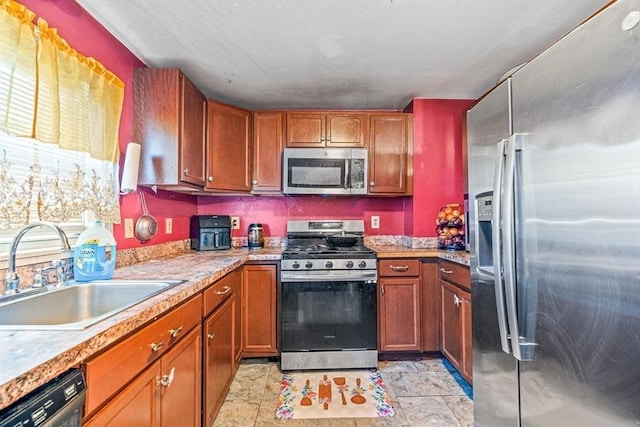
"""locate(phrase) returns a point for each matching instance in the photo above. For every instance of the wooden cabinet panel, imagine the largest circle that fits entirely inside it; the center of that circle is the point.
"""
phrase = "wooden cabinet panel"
(147, 402)
(218, 363)
(399, 267)
(390, 154)
(228, 148)
(455, 273)
(400, 314)
(267, 153)
(456, 334)
(111, 370)
(346, 130)
(326, 129)
(180, 399)
(259, 322)
(236, 288)
(169, 123)
(430, 323)
(218, 293)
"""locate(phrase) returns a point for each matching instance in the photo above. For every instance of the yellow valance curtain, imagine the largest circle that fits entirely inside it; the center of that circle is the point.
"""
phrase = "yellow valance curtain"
(54, 95)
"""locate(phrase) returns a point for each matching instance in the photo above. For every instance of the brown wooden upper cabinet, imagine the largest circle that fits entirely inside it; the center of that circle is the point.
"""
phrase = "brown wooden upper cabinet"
(326, 129)
(391, 154)
(169, 123)
(228, 148)
(267, 153)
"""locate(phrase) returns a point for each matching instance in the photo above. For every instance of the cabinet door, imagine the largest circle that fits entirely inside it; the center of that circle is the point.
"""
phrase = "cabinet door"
(390, 150)
(267, 153)
(305, 130)
(181, 382)
(430, 306)
(399, 299)
(137, 405)
(218, 358)
(451, 307)
(259, 325)
(235, 282)
(467, 337)
(346, 130)
(192, 133)
(228, 148)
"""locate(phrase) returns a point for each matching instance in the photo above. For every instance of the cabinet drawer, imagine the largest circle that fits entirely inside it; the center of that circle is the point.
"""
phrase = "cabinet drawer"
(220, 291)
(114, 368)
(456, 273)
(399, 267)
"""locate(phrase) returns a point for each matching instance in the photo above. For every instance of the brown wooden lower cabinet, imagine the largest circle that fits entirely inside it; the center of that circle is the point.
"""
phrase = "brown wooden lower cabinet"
(259, 310)
(218, 361)
(455, 300)
(430, 321)
(166, 394)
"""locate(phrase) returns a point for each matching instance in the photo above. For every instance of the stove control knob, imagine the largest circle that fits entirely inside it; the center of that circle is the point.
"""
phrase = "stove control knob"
(308, 264)
(349, 264)
(362, 264)
(295, 264)
(329, 264)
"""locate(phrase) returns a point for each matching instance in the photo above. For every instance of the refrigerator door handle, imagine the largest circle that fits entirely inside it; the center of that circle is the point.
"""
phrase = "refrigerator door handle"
(496, 244)
(514, 144)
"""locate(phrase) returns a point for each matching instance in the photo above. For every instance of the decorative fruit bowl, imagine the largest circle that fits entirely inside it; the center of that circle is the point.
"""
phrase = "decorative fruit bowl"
(450, 227)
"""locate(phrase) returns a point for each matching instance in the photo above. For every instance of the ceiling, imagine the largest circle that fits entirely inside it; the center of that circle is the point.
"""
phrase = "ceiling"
(339, 54)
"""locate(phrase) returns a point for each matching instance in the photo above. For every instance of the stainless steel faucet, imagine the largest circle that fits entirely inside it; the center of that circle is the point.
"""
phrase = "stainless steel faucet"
(11, 278)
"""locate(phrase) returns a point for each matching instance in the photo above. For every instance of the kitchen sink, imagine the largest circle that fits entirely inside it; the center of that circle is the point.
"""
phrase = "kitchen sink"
(78, 305)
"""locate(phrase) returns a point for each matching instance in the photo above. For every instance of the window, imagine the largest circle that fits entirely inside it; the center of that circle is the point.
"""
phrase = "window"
(59, 120)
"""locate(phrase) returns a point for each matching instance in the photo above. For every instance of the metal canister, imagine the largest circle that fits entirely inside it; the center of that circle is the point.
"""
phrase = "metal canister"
(255, 236)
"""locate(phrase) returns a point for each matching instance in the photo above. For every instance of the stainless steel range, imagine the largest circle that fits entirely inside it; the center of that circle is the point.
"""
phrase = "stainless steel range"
(328, 307)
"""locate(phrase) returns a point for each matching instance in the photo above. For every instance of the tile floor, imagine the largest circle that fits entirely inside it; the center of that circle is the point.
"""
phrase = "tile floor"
(422, 391)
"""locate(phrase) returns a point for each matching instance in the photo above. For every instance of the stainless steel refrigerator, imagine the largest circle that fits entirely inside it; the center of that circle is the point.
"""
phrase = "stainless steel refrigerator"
(554, 207)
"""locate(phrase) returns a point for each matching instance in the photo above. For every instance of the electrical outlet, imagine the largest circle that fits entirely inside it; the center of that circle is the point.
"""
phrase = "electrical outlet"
(128, 228)
(168, 225)
(235, 222)
(375, 221)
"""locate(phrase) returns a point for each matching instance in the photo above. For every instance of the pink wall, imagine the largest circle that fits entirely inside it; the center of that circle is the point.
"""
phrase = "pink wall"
(437, 157)
(437, 165)
(88, 37)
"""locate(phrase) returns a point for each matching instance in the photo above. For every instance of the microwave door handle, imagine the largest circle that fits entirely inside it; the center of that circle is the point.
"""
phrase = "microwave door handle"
(347, 168)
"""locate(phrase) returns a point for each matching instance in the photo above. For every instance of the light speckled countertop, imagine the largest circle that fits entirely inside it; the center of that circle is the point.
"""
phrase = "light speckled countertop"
(29, 359)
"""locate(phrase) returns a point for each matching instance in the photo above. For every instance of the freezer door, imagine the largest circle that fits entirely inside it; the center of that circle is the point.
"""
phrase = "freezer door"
(495, 382)
(578, 227)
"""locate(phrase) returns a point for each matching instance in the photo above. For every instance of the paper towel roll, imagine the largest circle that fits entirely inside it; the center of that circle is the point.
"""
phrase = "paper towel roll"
(129, 181)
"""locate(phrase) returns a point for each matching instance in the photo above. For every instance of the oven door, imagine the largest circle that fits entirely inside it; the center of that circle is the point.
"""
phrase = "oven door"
(328, 316)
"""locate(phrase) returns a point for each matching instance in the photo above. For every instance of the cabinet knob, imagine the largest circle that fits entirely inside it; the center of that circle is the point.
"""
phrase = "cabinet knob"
(254, 182)
(372, 184)
(210, 179)
(156, 347)
(166, 380)
(185, 171)
(175, 332)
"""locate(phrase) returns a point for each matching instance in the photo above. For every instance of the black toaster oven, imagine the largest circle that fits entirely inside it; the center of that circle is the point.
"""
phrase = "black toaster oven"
(210, 232)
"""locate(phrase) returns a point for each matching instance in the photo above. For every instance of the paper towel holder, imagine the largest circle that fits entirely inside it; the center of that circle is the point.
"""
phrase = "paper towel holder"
(129, 182)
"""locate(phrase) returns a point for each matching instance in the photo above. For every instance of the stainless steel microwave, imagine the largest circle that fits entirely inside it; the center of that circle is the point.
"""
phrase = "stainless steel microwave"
(341, 171)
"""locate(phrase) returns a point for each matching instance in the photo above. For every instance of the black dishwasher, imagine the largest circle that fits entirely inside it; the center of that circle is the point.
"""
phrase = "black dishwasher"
(56, 404)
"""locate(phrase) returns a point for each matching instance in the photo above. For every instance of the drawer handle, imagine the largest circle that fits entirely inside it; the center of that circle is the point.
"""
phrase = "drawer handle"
(399, 268)
(224, 291)
(156, 347)
(166, 380)
(445, 271)
(211, 336)
(175, 332)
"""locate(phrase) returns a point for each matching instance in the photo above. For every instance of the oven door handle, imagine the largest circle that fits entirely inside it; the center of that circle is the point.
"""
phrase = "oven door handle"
(329, 276)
